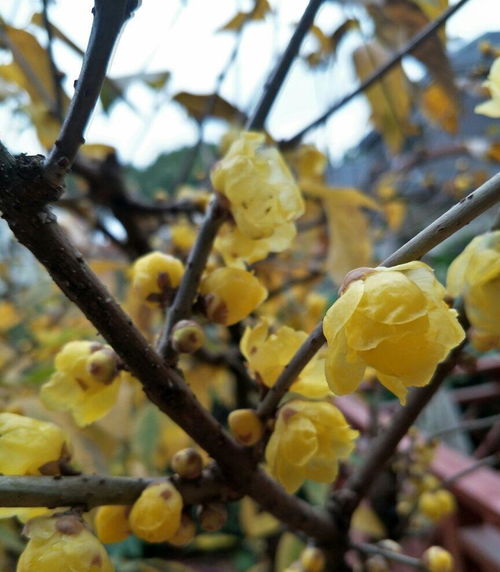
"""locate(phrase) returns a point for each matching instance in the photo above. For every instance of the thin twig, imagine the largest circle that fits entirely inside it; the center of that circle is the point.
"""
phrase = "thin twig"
(275, 81)
(469, 425)
(384, 446)
(485, 461)
(455, 218)
(109, 17)
(389, 554)
(378, 74)
(56, 75)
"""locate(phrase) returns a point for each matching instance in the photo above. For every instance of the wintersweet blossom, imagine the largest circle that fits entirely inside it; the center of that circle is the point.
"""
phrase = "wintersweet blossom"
(264, 199)
(231, 294)
(85, 381)
(491, 108)
(394, 320)
(29, 446)
(154, 276)
(475, 275)
(62, 543)
(309, 439)
(268, 352)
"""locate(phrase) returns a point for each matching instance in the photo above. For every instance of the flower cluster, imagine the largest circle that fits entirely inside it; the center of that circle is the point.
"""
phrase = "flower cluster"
(394, 320)
(309, 439)
(85, 382)
(491, 108)
(475, 275)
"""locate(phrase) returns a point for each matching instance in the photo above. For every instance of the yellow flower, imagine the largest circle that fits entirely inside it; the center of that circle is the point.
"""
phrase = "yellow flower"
(475, 274)
(309, 439)
(437, 559)
(30, 447)
(491, 108)
(237, 249)
(85, 382)
(62, 543)
(156, 514)
(393, 320)
(269, 352)
(154, 276)
(262, 193)
(231, 294)
(111, 523)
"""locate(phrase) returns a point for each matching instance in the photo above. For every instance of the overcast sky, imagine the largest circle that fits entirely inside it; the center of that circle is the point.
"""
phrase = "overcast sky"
(179, 36)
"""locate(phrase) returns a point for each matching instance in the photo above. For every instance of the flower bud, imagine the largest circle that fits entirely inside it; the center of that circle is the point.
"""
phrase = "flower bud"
(62, 543)
(389, 544)
(156, 515)
(246, 426)
(435, 505)
(212, 516)
(187, 463)
(185, 533)
(312, 559)
(187, 337)
(377, 563)
(103, 365)
(437, 559)
(111, 523)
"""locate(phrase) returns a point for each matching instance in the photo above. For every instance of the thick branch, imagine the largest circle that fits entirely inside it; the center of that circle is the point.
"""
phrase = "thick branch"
(109, 17)
(378, 74)
(454, 219)
(97, 490)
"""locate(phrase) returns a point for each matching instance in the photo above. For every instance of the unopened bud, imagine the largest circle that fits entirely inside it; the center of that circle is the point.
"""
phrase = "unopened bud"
(187, 463)
(185, 533)
(111, 523)
(437, 559)
(312, 559)
(212, 516)
(246, 426)
(187, 337)
(389, 544)
(376, 563)
(103, 365)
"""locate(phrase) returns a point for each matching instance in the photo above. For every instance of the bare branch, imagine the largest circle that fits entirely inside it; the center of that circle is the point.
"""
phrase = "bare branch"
(56, 75)
(109, 17)
(378, 74)
(275, 81)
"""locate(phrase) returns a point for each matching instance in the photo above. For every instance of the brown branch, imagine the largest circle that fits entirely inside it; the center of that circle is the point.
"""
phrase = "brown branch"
(455, 218)
(96, 490)
(56, 75)
(22, 198)
(389, 554)
(109, 17)
(378, 74)
(273, 85)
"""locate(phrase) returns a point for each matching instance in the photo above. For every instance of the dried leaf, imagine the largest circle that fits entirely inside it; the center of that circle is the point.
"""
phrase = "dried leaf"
(389, 98)
(238, 21)
(212, 105)
(440, 108)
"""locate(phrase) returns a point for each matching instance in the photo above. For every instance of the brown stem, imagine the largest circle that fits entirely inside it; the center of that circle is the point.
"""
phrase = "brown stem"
(109, 17)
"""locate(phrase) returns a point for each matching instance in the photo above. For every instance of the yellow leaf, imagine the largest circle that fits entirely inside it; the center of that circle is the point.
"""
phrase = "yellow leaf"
(256, 523)
(493, 152)
(9, 316)
(211, 105)
(258, 12)
(440, 108)
(364, 520)
(389, 98)
(350, 242)
(97, 151)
